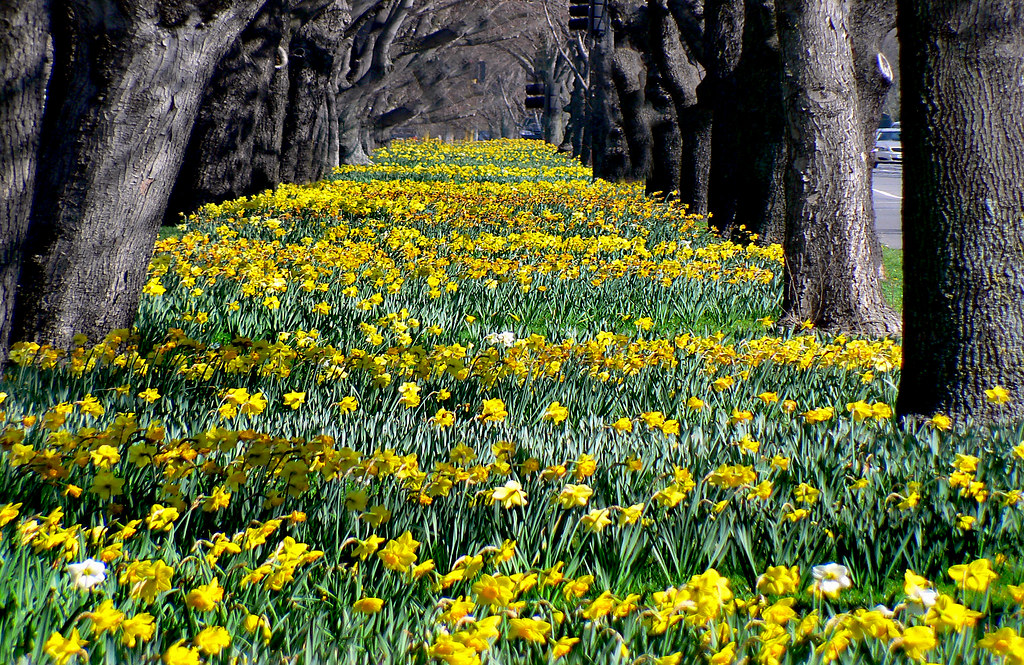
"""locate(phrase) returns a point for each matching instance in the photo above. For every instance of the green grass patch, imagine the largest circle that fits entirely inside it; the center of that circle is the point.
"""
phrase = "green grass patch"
(166, 232)
(892, 285)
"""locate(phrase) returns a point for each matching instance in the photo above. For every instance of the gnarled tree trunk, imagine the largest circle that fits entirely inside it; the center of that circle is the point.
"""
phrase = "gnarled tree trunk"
(314, 64)
(629, 78)
(126, 86)
(621, 116)
(610, 151)
(666, 140)
(962, 64)
(832, 279)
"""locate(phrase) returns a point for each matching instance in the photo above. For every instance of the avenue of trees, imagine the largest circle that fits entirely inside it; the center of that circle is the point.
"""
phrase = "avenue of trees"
(118, 115)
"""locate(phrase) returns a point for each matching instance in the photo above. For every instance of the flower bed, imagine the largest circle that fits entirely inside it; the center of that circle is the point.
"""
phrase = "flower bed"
(466, 405)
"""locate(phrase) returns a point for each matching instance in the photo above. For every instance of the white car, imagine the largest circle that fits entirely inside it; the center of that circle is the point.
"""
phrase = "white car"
(888, 148)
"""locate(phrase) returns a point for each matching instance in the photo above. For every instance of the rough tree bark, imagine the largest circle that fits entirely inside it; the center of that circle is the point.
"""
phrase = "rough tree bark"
(962, 64)
(629, 79)
(24, 72)
(831, 278)
(237, 117)
(744, 88)
(268, 132)
(674, 31)
(314, 72)
(608, 145)
(620, 116)
(666, 139)
(575, 127)
(126, 86)
(557, 79)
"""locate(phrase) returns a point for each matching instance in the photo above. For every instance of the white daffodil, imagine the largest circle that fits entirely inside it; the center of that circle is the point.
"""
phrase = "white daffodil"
(87, 574)
(506, 339)
(830, 579)
(884, 611)
(920, 601)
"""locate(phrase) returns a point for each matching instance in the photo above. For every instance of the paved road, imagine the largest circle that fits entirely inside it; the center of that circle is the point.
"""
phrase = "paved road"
(888, 186)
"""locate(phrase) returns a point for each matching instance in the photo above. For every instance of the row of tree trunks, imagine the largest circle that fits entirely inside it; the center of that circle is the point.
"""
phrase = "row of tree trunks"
(24, 71)
(308, 86)
(265, 115)
(125, 89)
(646, 124)
(962, 67)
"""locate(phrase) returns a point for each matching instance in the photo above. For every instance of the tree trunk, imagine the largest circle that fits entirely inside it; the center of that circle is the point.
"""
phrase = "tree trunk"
(350, 135)
(268, 133)
(314, 63)
(695, 129)
(831, 279)
(962, 64)
(126, 86)
(24, 72)
(629, 78)
(362, 76)
(333, 136)
(219, 161)
(557, 77)
(577, 119)
(719, 91)
(680, 74)
(610, 153)
(509, 130)
(667, 142)
(744, 88)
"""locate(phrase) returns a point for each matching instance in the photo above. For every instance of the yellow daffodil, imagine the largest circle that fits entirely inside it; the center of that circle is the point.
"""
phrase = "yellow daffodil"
(62, 649)
(368, 605)
(974, 576)
(509, 495)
